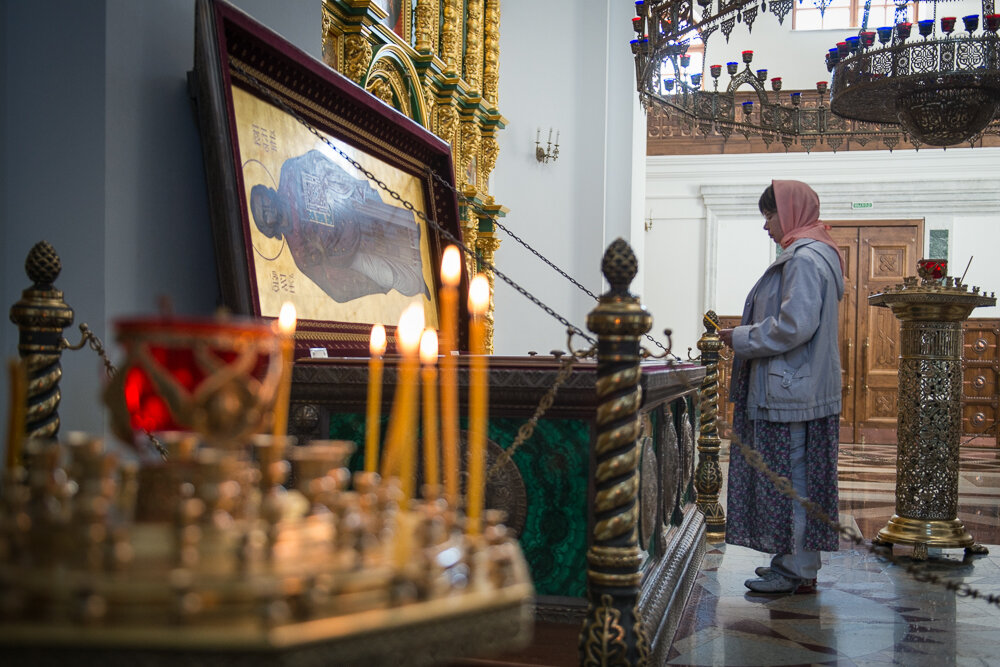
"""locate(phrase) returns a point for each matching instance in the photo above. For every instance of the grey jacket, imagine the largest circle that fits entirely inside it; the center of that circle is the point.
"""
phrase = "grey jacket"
(789, 336)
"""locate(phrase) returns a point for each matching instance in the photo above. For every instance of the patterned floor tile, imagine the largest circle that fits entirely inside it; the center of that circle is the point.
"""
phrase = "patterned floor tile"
(868, 610)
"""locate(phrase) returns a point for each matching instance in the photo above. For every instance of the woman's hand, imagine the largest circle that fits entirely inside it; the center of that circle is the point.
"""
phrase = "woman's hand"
(726, 335)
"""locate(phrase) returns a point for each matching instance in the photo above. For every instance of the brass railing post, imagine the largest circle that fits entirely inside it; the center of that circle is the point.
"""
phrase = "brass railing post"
(40, 316)
(708, 477)
(612, 632)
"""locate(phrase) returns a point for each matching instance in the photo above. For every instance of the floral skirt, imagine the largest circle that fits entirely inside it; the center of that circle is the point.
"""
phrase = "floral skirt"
(757, 514)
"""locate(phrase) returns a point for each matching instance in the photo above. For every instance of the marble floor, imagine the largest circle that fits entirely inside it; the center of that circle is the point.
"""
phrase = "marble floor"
(867, 610)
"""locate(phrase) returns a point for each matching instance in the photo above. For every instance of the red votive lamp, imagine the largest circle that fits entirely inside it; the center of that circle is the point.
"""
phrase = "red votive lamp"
(932, 269)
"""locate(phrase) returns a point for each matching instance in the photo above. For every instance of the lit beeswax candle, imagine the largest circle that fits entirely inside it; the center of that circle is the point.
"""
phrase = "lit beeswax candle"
(376, 346)
(286, 327)
(451, 273)
(429, 357)
(479, 296)
(400, 445)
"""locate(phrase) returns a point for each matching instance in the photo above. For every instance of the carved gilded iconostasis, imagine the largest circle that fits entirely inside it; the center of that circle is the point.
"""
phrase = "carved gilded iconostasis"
(437, 62)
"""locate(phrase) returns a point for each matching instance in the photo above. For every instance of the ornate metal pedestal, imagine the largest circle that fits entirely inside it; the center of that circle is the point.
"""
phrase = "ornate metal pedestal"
(613, 632)
(41, 315)
(930, 381)
(708, 479)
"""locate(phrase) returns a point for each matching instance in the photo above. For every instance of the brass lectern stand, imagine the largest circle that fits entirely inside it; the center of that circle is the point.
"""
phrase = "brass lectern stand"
(930, 382)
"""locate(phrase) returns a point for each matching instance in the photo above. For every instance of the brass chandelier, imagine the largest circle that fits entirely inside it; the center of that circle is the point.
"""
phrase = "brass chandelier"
(939, 88)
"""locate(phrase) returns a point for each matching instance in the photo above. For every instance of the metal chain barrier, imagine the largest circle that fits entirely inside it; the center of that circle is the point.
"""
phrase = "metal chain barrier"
(94, 343)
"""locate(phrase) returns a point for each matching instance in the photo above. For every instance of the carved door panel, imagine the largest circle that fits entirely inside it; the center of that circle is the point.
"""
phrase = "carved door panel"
(847, 241)
(886, 255)
(981, 377)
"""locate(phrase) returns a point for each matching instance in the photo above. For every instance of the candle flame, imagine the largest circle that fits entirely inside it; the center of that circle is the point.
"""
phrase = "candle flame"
(429, 346)
(411, 323)
(377, 342)
(286, 318)
(451, 266)
(479, 295)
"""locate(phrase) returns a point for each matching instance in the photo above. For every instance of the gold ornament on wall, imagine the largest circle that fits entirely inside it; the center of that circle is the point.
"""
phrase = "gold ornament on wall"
(438, 65)
(357, 57)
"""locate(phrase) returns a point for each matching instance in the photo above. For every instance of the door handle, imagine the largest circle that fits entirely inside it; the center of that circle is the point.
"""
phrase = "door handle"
(864, 362)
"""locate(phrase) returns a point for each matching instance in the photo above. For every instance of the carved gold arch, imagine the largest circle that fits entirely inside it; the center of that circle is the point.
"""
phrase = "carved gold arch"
(436, 61)
(393, 79)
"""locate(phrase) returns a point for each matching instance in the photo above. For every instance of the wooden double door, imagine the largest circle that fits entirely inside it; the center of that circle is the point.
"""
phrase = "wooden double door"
(877, 255)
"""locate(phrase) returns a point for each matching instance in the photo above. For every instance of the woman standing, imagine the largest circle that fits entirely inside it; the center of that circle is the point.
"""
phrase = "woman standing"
(786, 390)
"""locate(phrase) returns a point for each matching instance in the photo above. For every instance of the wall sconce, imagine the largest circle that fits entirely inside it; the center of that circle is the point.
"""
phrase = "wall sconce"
(648, 222)
(550, 152)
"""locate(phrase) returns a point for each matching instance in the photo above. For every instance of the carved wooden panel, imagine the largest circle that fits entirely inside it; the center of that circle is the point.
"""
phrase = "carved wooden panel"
(847, 242)
(886, 255)
(981, 380)
(669, 136)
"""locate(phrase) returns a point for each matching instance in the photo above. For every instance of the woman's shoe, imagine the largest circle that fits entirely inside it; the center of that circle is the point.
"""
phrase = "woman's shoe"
(776, 584)
(806, 586)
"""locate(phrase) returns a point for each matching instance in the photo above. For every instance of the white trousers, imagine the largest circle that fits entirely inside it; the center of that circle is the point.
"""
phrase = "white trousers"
(800, 564)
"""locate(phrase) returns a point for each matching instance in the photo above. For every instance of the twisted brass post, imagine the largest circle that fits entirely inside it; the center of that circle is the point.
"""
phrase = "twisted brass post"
(708, 477)
(41, 315)
(612, 632)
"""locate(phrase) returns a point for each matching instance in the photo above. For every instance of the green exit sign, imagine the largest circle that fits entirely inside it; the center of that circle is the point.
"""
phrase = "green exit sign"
(856, 205)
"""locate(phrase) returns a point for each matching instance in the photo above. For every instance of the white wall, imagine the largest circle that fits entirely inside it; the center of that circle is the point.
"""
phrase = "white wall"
(708, 244)
(580, 80)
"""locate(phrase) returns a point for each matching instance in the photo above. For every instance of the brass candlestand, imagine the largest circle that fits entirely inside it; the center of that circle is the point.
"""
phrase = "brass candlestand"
(708, 478)
(40, 316)
(612, 632)
(930, 384)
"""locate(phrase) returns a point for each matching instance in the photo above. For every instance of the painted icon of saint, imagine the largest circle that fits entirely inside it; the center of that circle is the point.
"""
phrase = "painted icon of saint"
(339, 231)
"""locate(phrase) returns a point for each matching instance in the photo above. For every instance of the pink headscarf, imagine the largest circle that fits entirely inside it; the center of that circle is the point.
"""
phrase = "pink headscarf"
(798, 214)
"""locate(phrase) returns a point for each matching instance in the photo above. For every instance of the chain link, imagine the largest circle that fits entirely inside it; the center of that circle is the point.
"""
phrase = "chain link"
(528, 428)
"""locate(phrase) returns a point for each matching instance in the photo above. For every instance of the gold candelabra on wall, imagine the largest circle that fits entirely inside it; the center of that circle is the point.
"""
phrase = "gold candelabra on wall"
(551, 151)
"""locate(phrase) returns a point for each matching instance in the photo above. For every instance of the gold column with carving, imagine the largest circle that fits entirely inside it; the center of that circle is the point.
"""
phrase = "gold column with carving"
(442, 72)
(451, 36)
(491, 52)
(708, 477)
(473, 61)
(929, 400)
(612, 632)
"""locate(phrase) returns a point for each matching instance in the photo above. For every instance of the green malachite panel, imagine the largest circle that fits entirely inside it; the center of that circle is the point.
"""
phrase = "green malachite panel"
(351, 426)
(938, 245)
(554, 465)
